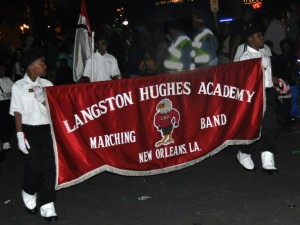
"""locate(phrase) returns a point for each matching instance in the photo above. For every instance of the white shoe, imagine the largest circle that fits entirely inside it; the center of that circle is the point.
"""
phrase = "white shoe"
(267, 159)
(48, 210)
(245, 160)
(29, 200)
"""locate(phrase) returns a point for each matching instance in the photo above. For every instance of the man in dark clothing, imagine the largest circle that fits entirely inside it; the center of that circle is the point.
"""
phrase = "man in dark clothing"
(64, 74)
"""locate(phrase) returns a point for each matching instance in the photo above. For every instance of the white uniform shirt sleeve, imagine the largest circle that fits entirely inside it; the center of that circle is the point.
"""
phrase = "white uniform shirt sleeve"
(16, 104)
(114, 67)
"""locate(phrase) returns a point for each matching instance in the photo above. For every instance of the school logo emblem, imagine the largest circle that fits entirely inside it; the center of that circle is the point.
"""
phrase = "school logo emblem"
(165, 120)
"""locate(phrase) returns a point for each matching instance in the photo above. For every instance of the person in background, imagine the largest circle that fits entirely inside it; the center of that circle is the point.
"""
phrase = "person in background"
(254, 48)
(65, 53)
(17, 72)
(51, 54)
(105, 65)
(205, 43)
(34, 136)
(224, 37)
(6, 121)
(179, 53)
(147, 65)
(293, 20)
(284, 67)
(276, 30)
(135, 53)
(158, 48)
(64, 74)
(295, 111)
(237, 30)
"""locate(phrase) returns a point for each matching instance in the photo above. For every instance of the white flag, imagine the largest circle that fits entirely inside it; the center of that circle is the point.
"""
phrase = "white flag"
(82, 44)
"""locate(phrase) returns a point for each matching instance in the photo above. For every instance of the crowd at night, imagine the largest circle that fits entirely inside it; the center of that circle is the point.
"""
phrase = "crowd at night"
(128, 43)
(41, 44)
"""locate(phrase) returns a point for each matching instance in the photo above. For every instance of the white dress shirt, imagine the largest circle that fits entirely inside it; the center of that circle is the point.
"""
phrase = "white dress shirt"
(264, 54)
(241, 48)
(104, 66)
(24, 102)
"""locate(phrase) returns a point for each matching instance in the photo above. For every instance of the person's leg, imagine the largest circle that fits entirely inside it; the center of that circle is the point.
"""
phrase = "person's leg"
(47, 191)
(30, 184)
(269, 132)
(48, 174)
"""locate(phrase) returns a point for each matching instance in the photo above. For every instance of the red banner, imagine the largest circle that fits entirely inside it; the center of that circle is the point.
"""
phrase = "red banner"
(152, 125)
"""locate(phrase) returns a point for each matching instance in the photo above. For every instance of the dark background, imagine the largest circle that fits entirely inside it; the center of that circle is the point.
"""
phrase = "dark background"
(47, 17)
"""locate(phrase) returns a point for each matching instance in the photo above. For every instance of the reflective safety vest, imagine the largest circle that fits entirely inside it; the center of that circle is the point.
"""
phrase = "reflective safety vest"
(173, 61)
(201, 57)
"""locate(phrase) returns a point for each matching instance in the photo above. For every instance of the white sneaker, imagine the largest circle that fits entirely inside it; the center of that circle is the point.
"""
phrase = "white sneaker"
(48, 210)
(267, 159)
(29, 200)
(245, 160)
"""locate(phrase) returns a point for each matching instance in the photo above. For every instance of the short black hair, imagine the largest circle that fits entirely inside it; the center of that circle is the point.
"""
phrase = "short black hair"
(30, 56)
(252, 27)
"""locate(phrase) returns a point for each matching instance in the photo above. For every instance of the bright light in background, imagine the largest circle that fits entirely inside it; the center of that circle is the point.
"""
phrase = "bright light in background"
(226, 20)
(257, 5)
(120, 18)
(24, 27)
(251, 2)
(164, 2)
(121, 10)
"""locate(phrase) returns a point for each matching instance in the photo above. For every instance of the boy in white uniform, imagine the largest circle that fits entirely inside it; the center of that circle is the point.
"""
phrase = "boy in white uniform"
(34, 136)
(254, 48)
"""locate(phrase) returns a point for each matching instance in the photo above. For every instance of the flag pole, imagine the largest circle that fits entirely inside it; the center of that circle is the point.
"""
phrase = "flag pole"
(93, 34)
(82, 43)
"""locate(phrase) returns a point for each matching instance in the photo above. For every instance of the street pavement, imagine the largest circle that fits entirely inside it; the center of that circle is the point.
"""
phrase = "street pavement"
(216, 191)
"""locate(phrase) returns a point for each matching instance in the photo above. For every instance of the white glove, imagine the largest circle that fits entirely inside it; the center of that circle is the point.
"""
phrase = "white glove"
(22, 142)
(39, 94)
(283, 86)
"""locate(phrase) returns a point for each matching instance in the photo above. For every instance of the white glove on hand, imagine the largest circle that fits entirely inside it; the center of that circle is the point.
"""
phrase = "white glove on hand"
(22, 142)
(283, 86)
(39, 94)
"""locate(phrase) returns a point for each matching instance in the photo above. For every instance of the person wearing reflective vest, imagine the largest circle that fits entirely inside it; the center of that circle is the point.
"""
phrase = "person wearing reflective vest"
(205, 43)
(179, 53)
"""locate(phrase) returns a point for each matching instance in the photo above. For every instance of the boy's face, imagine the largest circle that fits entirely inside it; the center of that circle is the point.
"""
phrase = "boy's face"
(39, 67)
(256, 40)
